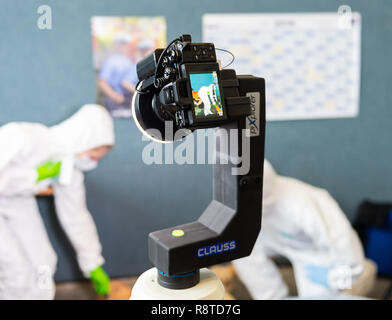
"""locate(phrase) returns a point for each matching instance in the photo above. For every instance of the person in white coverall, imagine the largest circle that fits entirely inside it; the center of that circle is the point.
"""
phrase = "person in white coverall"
(34, 157)
(304, 224)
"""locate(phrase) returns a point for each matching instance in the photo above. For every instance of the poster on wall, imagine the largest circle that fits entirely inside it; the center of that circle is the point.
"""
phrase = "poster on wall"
(118, 44)
(311, 61)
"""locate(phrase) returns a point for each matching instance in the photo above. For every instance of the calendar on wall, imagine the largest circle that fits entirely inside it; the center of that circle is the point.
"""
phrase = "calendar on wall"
(310, 61)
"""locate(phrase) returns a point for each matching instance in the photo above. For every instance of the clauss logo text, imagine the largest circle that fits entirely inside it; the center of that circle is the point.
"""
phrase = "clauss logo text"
(216, 248)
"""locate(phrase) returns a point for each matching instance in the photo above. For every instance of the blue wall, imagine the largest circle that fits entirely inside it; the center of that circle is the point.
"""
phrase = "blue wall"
(46, 75)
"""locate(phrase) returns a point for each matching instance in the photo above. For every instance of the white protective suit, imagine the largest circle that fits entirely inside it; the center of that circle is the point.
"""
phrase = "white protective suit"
(27, 260)
(304, 224)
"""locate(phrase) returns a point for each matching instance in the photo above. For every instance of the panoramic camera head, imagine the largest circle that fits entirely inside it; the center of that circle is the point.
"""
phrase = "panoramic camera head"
(181, 84)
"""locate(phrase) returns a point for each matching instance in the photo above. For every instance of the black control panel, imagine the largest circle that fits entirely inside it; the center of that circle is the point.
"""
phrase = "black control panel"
(203, 52)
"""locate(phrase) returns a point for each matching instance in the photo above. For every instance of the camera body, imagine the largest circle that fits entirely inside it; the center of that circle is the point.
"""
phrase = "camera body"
(183, 51)
(187, 86)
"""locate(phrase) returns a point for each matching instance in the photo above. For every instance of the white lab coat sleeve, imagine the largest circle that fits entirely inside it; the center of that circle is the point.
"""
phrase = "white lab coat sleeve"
(261, 276)
(330, 229)
(18, 181)
(11, 142)
(77, 222)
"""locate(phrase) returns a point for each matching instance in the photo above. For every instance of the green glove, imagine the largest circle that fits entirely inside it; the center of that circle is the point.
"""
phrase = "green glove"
(101, 281)
(49, 169)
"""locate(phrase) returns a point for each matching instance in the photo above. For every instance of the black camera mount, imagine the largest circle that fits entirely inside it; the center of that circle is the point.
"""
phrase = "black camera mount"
(171, 88)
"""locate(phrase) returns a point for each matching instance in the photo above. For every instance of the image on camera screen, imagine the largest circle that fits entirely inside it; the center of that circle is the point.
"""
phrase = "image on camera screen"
(206, 95)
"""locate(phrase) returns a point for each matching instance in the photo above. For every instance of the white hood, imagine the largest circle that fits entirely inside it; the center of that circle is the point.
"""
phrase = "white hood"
(269, 182)
(90, 127)
(25, 146)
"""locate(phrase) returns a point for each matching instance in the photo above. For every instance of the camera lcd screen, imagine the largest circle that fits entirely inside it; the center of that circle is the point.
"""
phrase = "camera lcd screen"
(206, 95)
